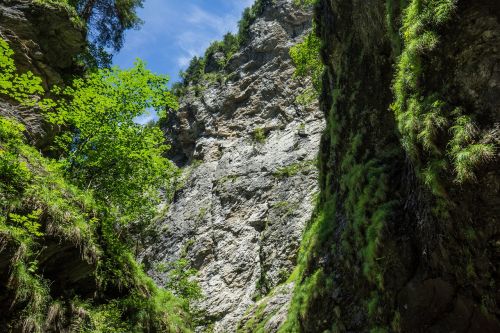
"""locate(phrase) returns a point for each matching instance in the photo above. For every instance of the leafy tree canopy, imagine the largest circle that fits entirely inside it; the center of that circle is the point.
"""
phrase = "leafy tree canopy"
(107, 20)
(120, 169)
(106, 150)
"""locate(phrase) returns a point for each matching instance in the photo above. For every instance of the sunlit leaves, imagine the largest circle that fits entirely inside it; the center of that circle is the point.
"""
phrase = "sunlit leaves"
(106, 150)
(22, 88)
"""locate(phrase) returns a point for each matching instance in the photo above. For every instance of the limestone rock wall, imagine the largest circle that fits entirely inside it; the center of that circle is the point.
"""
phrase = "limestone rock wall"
(249, 186)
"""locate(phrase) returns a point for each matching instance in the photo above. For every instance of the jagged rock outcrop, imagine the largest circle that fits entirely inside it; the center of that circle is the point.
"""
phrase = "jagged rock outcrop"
(45, 39)
(250, 183)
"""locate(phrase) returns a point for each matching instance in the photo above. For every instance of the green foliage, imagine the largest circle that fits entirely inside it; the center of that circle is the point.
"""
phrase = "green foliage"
(108, 20)
(107, 318)
(258, 321)
(94, 56)
(226, 48)
(306, 56)
(180, 279)
(304, 3)
(14, 174)
(69, 215)
(25, 231)
(249, 16)
(230, 44)
(29, 224)
(39, 203)
(285, 208)
(394, 10)
(307, 60)
(294, 169)
(465, 150)
(106, 150)
(195, 71)
(23, 88)
(424, 119)
(396, 322)
(259, 135)
(33, 291)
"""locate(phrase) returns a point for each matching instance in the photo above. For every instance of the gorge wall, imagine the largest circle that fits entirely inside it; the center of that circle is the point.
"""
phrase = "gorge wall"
(249, 184)
(406, 238)
(400, 233)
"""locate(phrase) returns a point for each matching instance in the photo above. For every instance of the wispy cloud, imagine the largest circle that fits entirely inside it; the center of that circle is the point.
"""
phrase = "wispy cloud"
(202, 18)
(175, 31)
(205, 26)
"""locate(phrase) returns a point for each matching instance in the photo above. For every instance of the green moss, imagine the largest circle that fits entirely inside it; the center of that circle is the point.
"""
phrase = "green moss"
(294, 169)
(378, 330)
(304, 3)
(360, 205)
(396, 322)
(67, 7)
(309, 286)
(285, 208)
(259, 135)
(426, 119)
(258, 321)
(228, 178)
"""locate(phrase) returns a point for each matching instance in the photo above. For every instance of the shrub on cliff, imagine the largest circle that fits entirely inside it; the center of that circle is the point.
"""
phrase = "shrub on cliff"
(78, 209)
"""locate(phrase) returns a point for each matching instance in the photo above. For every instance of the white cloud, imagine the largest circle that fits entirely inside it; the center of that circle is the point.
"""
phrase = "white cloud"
(203, 27)
(174, 32)
(203, 19)
(183, 61)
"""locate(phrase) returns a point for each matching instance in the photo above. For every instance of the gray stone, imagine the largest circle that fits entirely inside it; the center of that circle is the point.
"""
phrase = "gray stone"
(239, 217)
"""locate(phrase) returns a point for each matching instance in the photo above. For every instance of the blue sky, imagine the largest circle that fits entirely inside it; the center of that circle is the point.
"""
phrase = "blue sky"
(176, 30)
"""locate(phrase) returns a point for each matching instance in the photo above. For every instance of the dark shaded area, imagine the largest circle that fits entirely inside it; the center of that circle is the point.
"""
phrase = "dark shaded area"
(413, 270)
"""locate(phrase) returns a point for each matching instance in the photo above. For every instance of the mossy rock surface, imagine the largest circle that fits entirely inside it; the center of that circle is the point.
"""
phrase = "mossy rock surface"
(404, 231)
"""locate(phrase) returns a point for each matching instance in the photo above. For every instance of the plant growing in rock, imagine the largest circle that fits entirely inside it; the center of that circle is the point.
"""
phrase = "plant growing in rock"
(259, 135)
(294, 169)
(180, 279)
(229, 45)
(45, 200)
(308, 64)
(24, 88)
(425, 119)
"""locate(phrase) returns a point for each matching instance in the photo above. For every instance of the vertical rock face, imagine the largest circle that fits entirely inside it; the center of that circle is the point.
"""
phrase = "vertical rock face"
(249, 186)
(405, 244)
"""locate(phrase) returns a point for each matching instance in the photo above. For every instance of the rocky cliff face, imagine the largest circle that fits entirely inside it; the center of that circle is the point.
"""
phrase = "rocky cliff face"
(45, 39)
(249, 185)
(407, 235)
